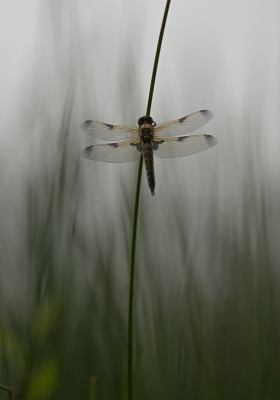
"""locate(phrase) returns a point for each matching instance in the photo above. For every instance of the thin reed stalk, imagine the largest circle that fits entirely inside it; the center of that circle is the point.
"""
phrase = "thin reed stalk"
(135, 218)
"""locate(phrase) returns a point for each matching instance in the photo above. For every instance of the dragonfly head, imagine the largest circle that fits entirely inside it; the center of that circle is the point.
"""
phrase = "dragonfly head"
(146, 120)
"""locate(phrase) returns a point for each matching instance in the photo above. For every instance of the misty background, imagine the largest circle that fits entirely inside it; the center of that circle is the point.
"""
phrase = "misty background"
(207, 259)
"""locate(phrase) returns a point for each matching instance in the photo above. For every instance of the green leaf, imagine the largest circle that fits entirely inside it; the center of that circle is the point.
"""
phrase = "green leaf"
(44, 380)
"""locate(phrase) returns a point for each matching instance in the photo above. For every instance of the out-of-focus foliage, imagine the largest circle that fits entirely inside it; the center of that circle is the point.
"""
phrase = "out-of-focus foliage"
(207, 298)
(44, 380)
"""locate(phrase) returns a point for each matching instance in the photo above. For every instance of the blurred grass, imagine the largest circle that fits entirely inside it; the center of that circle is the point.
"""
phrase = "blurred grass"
(207, 282)
(207, 324)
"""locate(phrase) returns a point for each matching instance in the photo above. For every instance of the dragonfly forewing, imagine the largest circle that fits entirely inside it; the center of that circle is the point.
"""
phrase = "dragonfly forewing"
(183, 125)
(105, 131)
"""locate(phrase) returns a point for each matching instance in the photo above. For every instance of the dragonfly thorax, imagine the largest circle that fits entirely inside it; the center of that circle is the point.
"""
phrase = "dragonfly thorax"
(146, 128)
(146, 132)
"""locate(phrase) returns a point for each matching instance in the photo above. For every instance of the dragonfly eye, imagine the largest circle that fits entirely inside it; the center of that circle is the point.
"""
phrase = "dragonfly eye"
(146, 120)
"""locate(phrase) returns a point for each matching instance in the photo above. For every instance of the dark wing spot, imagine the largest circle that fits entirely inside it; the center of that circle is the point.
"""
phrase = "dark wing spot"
(208, 137)
(113, 144)
(87, 150)
(137, 145)
(88, 121)
(156, 143)
(109, 126)
(204, 111)
(183, 119)
(182, 138)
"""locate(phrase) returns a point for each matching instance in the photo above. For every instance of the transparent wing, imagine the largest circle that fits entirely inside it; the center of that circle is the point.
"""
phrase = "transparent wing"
(183, 125)
(129, 150)
(104, 131)
(183, 145)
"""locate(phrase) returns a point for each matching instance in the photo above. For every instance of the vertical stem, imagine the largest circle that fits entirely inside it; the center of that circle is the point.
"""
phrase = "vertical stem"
(149, 105)
(92, 388)
(135, 218)
(131, 284)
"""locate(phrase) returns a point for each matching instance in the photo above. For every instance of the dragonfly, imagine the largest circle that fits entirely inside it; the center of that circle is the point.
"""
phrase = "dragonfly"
(147, 140)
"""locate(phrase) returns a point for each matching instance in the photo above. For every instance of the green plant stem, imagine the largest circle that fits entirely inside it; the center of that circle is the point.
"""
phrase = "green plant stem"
(149, 105)
(135, 218)
(92, 388)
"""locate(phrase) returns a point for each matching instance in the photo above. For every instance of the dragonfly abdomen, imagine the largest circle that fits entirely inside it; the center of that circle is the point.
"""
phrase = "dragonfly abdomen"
(148, 155)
